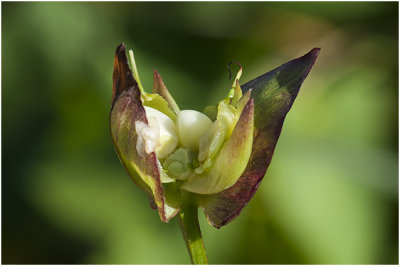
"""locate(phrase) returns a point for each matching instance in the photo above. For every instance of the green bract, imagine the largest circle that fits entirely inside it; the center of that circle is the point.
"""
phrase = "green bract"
(214, 160)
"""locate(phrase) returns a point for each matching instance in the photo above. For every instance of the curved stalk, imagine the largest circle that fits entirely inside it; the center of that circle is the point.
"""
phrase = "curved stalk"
(189, 224)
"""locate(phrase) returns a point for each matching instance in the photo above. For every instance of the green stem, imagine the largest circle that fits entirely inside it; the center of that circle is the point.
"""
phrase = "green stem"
(189, 224)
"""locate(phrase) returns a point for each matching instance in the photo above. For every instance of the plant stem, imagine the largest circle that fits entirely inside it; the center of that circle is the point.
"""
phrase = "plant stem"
(189, 224)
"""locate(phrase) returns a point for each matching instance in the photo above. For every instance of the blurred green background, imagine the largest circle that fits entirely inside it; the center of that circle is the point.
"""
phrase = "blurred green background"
(330, 195)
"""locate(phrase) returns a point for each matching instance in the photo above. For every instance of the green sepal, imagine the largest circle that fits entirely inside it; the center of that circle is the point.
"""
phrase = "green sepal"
(126, 109)
(159, 103)
(273, 94)
(160, 89)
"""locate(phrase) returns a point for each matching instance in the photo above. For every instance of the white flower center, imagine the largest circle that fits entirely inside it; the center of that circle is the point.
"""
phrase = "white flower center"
(159, 136)
(148, 136)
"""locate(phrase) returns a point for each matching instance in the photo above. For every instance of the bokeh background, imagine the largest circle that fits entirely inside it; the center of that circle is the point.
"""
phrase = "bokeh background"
(330, 195)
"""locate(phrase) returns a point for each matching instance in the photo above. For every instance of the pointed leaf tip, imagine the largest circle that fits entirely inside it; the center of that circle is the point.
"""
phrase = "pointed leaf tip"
(120, 48)
(313, 54)
(122, 75)
(160, 88)
(315, 51)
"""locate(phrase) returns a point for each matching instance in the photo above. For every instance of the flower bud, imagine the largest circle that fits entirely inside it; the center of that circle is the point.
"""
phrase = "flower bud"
(168, 152)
